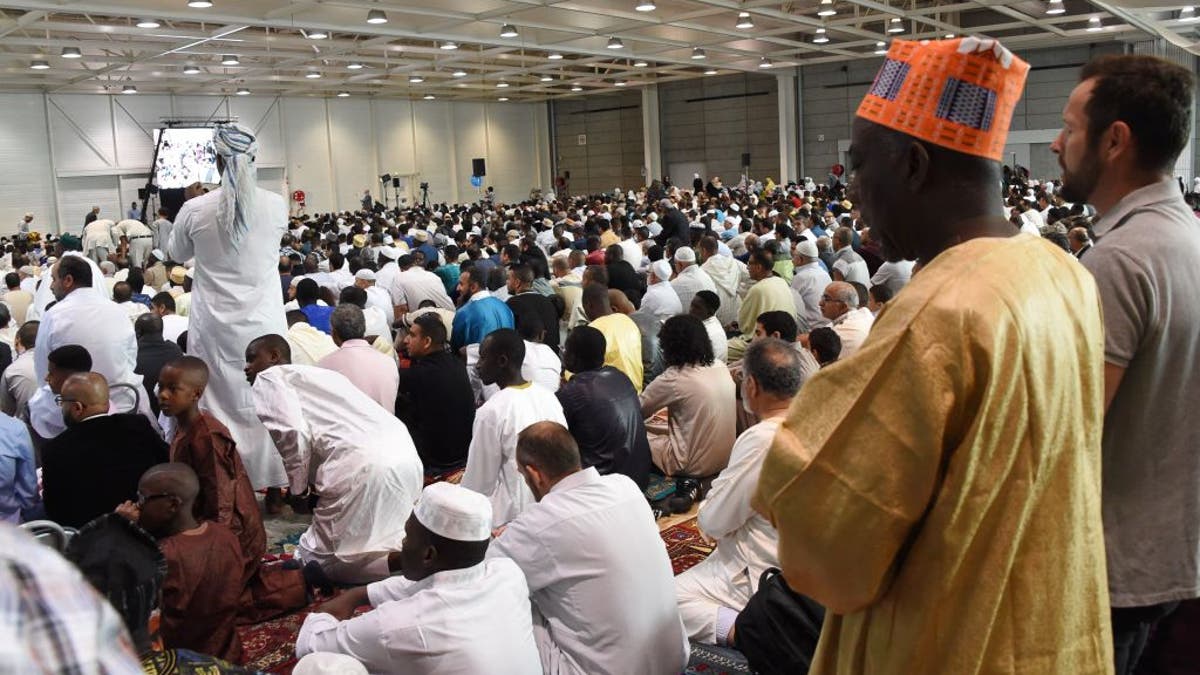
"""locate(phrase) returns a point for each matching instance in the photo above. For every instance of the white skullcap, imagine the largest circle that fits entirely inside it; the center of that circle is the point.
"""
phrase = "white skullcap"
(454, 512)
(389, 252)
(421, 235)
(696, 225)
(365, 275)
(190, 273)
(29, 214)
(328, 663)
(807, 248)
(661, 269)
(293, 283)
(685, 254)
(157, 253)
(735, 208)
(387, 240)
(655, 228)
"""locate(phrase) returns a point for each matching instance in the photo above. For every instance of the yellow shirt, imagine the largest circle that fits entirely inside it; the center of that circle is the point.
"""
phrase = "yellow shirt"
(608, 238)
(624, 345)
(939, 491)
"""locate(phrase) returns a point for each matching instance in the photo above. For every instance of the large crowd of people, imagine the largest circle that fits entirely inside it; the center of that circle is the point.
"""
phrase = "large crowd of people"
(938, 402)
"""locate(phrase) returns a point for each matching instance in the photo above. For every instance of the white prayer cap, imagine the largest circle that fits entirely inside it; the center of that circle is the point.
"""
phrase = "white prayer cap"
(561, 253)
(454, 512)
(772, 213)
(661, 269)
(807, 248)
(696, 225)
(653, 216)
(735, 208)
(27, 270)
(606, 215)
(328, 663)
(685, 254)
(387, 240)
(389, 252)
(655, 228)
(190, 273)
(29, 214)
(421, 235)
(547, 223)
(365, 275)
(341, 221)
(157, 253)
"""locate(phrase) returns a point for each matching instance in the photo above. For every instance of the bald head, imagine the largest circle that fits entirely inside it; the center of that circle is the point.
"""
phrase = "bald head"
(175, 479)
(88, 389)
(620, 302)
(843, 291)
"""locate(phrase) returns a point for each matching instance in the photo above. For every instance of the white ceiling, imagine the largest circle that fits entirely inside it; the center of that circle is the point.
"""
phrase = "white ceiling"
(269, 37)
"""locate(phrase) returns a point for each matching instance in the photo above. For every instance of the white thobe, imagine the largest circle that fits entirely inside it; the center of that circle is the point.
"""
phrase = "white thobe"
(353, 453)
(894, 275)
(746, 542)
(133, 309)
(235, 299)
(808, 285)
(140, 237)
(377, 323)
(174, 326)
(728, 274)
(600, 579)
(415, 285)
(472, 620)
(378, 297)
(631, 252)
(689, 282)
(540, 366)
(162, 235)
(98, 235)
(385, 279)
(661, 300)
(492, 457)
(853, 327)
(716, 335)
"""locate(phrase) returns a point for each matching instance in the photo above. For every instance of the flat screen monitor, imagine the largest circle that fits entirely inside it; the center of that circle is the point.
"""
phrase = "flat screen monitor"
(185, 156)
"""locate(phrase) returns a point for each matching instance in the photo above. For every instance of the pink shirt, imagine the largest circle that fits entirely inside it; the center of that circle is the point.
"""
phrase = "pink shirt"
(373, 373)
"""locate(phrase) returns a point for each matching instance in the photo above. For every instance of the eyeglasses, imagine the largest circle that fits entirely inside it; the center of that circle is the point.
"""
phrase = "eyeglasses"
(142, 499)
(60, 399)
(826, 298)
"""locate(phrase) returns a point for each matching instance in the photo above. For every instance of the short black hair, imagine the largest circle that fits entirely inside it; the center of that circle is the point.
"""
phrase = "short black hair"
(586, 347)
(27, 334)
(432, 328)
(353, 295)
(307, 292)
(779, 321)
(685, 342)
(77, 268)
(506, 342)
(164, 300)
(861, 290)
(73, 358)
(12, 280)
(826, 343)
(763, 259)
(710, 300)
(882, 293)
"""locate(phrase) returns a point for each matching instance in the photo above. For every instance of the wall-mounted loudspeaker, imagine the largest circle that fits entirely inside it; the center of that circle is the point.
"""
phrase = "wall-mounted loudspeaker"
(478, 167)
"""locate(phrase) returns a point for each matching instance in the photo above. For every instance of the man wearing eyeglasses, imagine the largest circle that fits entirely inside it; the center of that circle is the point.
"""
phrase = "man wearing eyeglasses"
(839, 304)
(95, 464)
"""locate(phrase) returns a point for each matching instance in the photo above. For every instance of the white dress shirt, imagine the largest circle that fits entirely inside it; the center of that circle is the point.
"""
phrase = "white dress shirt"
(600, 579)
(808, 284)
(381, 298)
(661, 300)
(492, 457)
(716, 335)
(894, 275)
(689, 282)
(415, 285)
(853, 327)
(473, 620)
(174, 326)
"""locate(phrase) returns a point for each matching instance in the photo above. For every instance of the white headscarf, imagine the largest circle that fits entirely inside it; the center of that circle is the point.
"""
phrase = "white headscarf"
(238, 146)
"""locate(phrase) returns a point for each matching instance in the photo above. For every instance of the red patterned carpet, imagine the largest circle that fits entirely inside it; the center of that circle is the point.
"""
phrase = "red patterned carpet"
(270, 646)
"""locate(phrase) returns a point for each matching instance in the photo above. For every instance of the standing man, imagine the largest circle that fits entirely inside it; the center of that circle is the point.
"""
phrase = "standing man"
(233, 232)
(97, 239)
(134, 212)
(162, 231)
(138, 236)
(367, 202)
(92, 215)
(23, 224)
(977, 510)
(1123, 128)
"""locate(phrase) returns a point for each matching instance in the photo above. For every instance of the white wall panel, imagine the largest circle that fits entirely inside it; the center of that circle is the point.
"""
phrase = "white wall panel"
(394, 135)
(24, 164)
(512, 169)
(307, 138)
(83, 132)
(353, 146)
(433, 128)
(77, 195)
(261, 115)
(471, 141)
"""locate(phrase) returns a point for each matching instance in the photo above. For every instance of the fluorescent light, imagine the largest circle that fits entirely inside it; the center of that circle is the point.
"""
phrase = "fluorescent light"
(508, 31)
(765, 63)
(502, 99)
(415, 79)
(354, 65)
(576, 88)
(896, 25)
(129, 89)
(744, 20)
(698, 53)
(640, 63)
(1056, 7)
(554, 56)
(821, 37)
(315, 34)
(459, 73)
(148, 23)
(615, 43)
(313, 75)
(880, 49)
(619, 83)
(71, 53)
(1188, 14)
(501, 84)
(428, 97)
(243, 92)
(949, 36)
(39, 64)
(200, 4)
(711, 71)
(377, 16)
(230, 60)
(826, 8)
(646, 6)
(191, 69)
(547, 78)
(343, 94)
(1094, 24)
(448, 45)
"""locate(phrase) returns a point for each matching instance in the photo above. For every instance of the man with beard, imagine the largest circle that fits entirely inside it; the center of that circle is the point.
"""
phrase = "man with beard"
(1123, 128)
(977, 506)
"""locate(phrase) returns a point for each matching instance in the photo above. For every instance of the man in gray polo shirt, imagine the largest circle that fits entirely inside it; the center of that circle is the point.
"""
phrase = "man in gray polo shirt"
(1123, 128)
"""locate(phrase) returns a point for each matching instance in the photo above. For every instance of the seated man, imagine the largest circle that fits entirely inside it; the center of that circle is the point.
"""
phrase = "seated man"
(769, 293)
(45, 416)
(19, 383)
(202, 442)
(825, 345)
(452, 611)
(174, 325)
(704, 307)
(479, 313)
(621, 334)
(491, 462)
(602, 410)
(840, 304)
(524, 301)
(95, 464)
(373, 373)
(435, 400)
(307, 295)
(713, 592)
(541, 364)
(201, 595)
(597, 570)
(308, 344)
(338, 443)
(153, 353)
(18, 472)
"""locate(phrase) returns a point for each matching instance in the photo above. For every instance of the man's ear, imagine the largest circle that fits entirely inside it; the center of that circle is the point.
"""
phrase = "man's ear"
(914, 163)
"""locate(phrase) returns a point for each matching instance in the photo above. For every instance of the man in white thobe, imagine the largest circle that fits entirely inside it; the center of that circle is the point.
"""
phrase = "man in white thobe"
(839, 304)
(597, 569)
(386, 276)
(233, 232)
(491, 460)
(689, 278)
(139, 236)
(809, 280)
(337, 442)
(162, 231)
(712, 593)
(376, 296)
(894, 275)
(729, 275)
(97, 239)
(660, 299)
(452, 611)
(415, 285)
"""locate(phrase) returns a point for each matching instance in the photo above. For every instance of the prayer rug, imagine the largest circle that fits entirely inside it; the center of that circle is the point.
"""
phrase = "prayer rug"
(714, 660)
(686, 546)
(453, 476)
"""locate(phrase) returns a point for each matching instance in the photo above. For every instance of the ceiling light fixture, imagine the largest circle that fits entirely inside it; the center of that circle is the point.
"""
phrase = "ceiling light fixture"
(1094, 24)
(880, 49)
(148, 23)
(547, 78)
(315, 34)
(698, 53)
(1056, 7)
(191, 69)
(415, 79)
(243, 92)
(949, 36)
(501, 84)
(576, 88)
(744, 20)
(448, 46)
(459, 73)
(39, 64)
(1188, 14)
(554, 56)
(711, 71)
(822, 37)
(502, 99)
(230, 60)
(640, 63)
(354, 65)
(71, 53)
(614, 42)
(200, 4)
(826, 8)
(646, 6)
(343, 94)
(428, 97)
(765, 63)
(508, 31)
(377, 16)
(619, 83)
(313, 75)
(896, 25)
(129, 89)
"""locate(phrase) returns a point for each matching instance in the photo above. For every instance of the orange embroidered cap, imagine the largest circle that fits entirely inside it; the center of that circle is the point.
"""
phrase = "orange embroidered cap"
(958, 94)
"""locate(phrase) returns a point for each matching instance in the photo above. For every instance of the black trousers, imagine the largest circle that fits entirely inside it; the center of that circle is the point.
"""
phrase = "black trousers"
(1131, 628)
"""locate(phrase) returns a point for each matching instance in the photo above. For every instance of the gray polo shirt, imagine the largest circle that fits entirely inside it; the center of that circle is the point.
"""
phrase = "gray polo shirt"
(1146, 261)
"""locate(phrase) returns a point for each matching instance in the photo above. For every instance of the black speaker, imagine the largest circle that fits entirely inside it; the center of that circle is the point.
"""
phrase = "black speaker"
(478, 168)
(395, 182)
(143, 194)
(745, 159)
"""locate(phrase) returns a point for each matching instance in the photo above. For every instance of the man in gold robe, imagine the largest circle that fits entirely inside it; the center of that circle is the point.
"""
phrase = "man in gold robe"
(944, 505)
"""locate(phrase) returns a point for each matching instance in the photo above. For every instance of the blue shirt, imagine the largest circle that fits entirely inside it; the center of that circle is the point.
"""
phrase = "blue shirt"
(478, 317)
(318, 317)
(18, 472)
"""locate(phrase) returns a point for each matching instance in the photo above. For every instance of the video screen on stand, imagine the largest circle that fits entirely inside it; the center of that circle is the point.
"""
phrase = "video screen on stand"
(185, 156)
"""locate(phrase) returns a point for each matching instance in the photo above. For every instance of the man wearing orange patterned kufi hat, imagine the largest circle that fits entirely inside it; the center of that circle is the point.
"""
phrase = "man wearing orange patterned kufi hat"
(945, 506)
